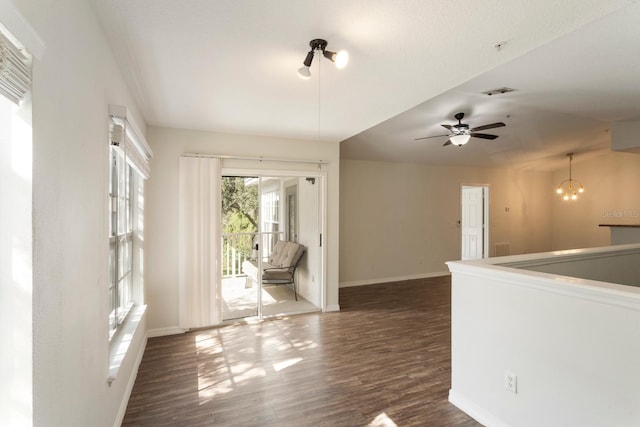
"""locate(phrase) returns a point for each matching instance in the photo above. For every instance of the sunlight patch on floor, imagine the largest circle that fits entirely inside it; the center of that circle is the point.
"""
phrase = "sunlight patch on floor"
(206, 391)
(382, 420)
(227, 356)
(240, 373)
(279, 366)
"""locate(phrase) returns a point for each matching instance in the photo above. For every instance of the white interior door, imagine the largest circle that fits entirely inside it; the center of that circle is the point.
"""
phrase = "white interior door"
(474, 215)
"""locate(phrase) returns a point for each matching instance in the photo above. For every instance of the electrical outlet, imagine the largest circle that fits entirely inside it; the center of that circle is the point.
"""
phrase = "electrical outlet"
(511, 382)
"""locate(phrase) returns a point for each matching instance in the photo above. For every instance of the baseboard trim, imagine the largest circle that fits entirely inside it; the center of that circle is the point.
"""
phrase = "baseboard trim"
(393, 279)
(474, 411)
(132, 379)
(332, 307)
(161, 332)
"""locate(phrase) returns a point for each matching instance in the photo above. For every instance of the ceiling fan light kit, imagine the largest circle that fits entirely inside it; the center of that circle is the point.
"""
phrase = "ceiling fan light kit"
(460, 139)
(340, 58)
(573, 186)
(460, 133)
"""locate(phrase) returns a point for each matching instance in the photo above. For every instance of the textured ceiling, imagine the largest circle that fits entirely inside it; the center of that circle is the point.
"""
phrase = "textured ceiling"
(230, 66)
(568, 93)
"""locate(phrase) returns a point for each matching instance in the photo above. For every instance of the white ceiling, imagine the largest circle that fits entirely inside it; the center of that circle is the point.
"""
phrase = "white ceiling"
(230, 66)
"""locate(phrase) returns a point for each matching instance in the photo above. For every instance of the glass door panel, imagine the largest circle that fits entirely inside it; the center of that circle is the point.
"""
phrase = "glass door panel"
(290, 213)
(240, 219)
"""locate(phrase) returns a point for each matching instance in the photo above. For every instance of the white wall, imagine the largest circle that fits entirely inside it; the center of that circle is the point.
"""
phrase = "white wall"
(624, 136)
(74, 81)
(611, 196)
(399, 220)
(162, 205)
(574, 346)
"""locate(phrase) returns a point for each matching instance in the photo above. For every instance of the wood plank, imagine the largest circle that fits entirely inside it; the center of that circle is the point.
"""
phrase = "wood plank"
(386, 357)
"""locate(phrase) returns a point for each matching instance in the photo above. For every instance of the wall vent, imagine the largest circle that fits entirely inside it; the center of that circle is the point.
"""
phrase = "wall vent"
(502, 249)
(499, 91)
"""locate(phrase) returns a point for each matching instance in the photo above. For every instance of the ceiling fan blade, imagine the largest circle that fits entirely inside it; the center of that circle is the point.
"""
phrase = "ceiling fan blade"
(489, 126)
(427, 137)
(447, 143)
(483, 135)
(446, 126)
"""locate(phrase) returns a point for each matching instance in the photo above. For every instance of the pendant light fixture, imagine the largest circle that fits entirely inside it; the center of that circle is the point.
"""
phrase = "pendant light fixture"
(569, 188)
(340, 58)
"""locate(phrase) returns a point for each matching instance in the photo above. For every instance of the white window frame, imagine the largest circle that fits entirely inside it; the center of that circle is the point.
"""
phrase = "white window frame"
(129, 156)
(270, 218)
(123, 179)
(125, 138)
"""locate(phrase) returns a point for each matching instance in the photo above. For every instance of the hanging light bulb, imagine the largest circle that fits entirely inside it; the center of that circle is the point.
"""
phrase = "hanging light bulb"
(304, 72)
(342, 59)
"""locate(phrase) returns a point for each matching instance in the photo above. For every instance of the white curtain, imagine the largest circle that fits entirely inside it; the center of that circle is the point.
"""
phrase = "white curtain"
(199, 228)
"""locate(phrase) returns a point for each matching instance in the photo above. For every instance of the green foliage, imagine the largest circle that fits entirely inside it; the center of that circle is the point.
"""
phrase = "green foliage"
(239, 206)
(234, 222)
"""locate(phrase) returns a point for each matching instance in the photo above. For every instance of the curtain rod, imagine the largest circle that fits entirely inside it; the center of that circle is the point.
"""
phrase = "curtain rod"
(261, 159)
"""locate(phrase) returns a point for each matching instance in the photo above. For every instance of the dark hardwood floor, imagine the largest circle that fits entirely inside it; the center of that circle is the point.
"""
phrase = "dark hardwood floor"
(383, 360)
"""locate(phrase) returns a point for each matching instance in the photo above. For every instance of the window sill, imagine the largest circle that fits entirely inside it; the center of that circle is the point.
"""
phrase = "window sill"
(121, 342)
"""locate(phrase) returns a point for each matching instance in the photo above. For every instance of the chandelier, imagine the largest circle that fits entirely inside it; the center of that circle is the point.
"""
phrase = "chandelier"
(570, 187)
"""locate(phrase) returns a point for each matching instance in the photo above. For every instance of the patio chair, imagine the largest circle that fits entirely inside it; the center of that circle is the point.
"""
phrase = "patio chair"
(280, 267)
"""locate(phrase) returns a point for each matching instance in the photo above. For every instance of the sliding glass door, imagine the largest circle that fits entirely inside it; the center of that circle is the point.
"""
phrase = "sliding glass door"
(257, 213)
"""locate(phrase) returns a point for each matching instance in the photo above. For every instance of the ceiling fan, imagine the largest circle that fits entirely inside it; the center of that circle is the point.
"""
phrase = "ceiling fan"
(460, 133)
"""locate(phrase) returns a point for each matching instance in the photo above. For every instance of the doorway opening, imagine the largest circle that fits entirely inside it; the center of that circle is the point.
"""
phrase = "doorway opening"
(475, 221)
(257, 213)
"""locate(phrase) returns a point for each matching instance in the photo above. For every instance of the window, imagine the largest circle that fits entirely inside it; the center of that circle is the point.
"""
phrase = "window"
(16, 224)
(122, 192)
(129, 158)
(270, 219)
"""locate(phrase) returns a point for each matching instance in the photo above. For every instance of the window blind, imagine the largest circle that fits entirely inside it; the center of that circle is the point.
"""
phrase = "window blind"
(125, 135)
(15, 71)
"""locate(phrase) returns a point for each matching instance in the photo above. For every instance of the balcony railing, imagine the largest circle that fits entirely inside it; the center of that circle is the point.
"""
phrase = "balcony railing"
(239, 247)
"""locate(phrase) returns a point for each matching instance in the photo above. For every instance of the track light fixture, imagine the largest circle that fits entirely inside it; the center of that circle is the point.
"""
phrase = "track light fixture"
(340, 58)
